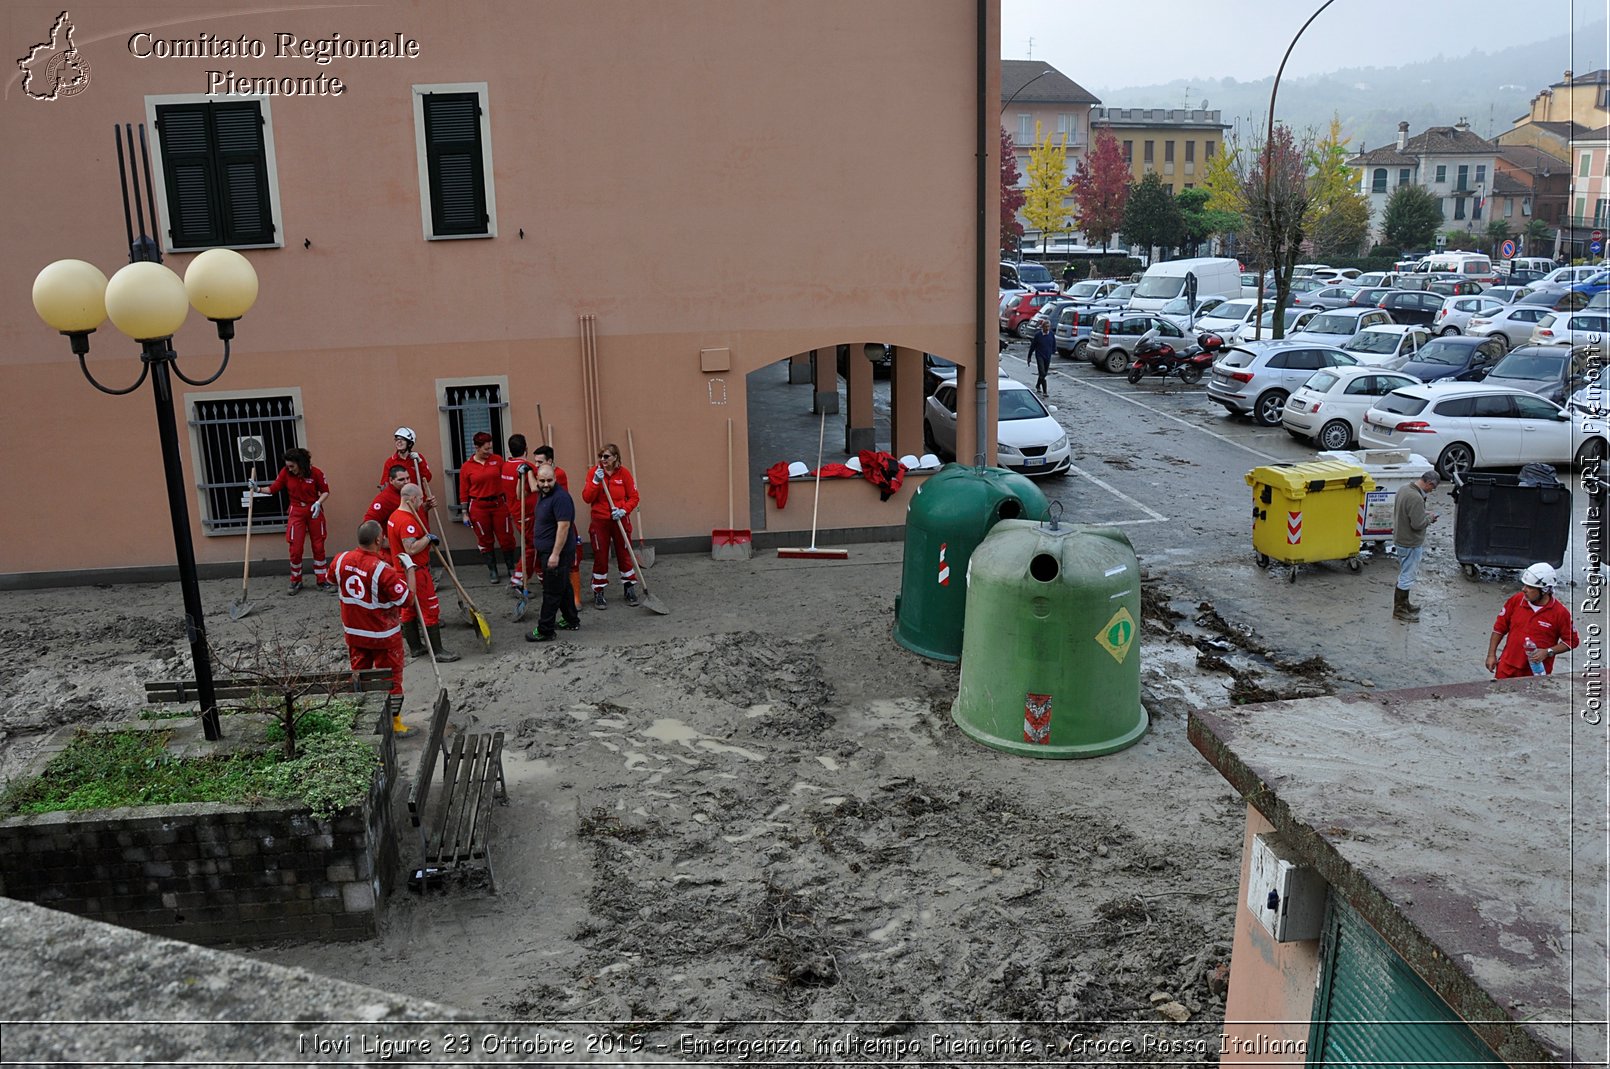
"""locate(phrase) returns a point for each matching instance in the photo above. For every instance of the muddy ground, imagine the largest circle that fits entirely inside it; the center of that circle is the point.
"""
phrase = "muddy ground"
(756, 812)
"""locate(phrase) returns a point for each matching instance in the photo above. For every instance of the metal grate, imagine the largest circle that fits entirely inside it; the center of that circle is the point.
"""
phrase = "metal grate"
(220, 423)
(470, 410)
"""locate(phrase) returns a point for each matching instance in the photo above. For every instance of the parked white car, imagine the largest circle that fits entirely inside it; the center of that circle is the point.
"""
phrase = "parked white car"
(1571, 328)
(1328, 408)
(1457, 312)
(1565, 276)
(1386, 346)
(1512, 324)
(1029, 438)
(1179, 314)
(1339, 324)
(1466, 425)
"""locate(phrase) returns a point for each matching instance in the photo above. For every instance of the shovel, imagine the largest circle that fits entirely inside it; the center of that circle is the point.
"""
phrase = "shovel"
(525, 590)
(240, 607)
(650, 602)
(645, 552)
(477, 621)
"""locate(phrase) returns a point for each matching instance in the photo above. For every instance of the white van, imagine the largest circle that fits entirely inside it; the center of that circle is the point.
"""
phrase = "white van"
(1540, 264)
(1162, 282)
(1471, 265)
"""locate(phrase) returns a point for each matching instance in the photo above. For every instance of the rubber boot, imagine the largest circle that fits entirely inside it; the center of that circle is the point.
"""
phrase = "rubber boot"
(511, 563)
(410, 630)
(1401, 609)
(443, 654)
(400, 728)
(492, 566)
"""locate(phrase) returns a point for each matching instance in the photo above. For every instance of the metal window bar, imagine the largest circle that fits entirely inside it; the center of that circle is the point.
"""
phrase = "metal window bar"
(220, 423)
(470, 410)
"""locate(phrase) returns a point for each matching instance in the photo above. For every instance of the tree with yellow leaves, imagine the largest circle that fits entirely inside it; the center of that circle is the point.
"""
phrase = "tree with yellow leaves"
(1338, 216)
(1044, 203)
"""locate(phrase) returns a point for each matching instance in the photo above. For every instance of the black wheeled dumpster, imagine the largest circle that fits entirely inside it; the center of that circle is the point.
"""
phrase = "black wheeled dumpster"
(1502, 522)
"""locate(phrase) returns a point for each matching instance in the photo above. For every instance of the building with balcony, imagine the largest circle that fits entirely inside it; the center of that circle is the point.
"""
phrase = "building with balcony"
(1453, 164)
(1175, 143)
(1039, 101)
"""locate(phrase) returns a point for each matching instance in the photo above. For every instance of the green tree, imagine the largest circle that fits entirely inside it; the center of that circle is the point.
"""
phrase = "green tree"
(1011, 196)
(1498, 232)
(1338, 216)
(1151, 218)
(1100, 189)
(1539, 235)
(1201, 222)
(1045, 197)
(1275, 189)
(1412, 217)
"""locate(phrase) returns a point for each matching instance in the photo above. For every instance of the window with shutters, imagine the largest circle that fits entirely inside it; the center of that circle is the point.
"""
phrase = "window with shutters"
(214, 168)
(454, 141)
(233, 437)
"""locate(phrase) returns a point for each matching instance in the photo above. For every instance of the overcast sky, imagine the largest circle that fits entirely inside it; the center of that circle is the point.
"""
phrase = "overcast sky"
(1105, 46)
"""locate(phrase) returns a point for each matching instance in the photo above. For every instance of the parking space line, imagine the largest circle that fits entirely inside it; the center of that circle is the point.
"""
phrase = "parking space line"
(1167, 415)
(1156, 517)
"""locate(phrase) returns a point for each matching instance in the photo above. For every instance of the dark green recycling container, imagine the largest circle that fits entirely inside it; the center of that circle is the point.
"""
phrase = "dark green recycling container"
(949, 515)
(1051, 666)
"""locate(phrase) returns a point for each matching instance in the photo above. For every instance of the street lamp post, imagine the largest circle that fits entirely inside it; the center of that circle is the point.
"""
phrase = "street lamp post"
(149, 303)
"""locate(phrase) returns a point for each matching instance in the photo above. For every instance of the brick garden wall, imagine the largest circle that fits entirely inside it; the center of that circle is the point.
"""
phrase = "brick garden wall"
(213, 874)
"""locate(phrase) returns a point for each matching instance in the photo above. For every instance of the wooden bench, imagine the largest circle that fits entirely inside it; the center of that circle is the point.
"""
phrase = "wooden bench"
(459, 835)
(369, 679)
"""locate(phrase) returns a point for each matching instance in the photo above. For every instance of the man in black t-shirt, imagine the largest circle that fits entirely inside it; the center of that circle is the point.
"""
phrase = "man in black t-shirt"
(555, 548)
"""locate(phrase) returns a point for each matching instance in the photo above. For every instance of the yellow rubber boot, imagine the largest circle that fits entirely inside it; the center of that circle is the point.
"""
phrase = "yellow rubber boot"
(400, 728)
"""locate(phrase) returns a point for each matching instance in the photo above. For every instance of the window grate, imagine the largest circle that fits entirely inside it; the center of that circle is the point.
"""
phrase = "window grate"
(220, 423)
(471, 409)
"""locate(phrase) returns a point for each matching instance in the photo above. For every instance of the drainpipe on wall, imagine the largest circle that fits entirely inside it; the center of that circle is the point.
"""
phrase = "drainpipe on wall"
(981, 387)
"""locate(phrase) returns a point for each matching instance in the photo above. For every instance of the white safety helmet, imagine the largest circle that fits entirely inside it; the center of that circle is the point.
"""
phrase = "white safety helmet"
(1540, 575)
(854, 463)
(909, 461)
(405, 432)
(929, 460)
(798, 470)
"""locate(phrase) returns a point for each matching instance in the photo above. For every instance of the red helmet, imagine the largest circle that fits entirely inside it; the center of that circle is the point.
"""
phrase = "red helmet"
(1210, 342)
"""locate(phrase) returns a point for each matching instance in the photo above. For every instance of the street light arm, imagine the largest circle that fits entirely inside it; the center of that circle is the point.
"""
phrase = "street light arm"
(145, 369)
(173, 359)
(1025, 85)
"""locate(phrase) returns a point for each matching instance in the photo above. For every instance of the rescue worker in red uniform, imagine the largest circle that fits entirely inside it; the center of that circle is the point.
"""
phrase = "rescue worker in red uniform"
(519, 490)
(410, 539)
(307, 489)
(611, 523)
(386, 502)
(480, 488)
(544, 455)
(372, 591)
(418, 470)
(1537, 626)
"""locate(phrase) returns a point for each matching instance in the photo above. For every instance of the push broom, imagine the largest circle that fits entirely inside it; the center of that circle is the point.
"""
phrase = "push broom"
(811, 552)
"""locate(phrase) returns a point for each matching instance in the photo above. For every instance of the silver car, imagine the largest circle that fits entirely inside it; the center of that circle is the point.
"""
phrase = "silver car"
(1114, 335)
(1457, 313)
(1255, 379)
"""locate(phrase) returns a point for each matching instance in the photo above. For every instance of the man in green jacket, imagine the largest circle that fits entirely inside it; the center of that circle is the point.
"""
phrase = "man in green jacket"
(1409, 522)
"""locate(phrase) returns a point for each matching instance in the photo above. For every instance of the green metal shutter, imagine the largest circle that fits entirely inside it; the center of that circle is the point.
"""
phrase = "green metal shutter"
(453, 158)
(1373, 1009)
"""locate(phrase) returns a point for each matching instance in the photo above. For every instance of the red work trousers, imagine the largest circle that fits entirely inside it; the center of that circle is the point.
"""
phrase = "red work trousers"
(604, 534)
(390, 657)
(493, 523)
(302, 524)
(430, 606)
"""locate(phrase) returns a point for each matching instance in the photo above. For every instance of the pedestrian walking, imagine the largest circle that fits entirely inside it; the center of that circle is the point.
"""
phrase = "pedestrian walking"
(410, 539)
(390, 496)
(1410, 519)
(372, 592)
(486, 510)
(555, 545)
(1534, 627)
(1042, 348)
(611, 523)
(308, 490)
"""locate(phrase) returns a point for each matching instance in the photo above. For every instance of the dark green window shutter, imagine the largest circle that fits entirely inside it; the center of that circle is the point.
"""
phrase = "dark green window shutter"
(1373, 1009)
(215, 168)
(453, 160)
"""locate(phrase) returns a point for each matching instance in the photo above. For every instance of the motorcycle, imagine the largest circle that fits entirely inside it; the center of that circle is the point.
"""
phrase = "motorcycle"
(1155, 357)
